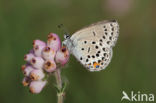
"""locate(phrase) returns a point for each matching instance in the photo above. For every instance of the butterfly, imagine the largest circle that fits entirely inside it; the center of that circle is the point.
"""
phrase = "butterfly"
(92, 45)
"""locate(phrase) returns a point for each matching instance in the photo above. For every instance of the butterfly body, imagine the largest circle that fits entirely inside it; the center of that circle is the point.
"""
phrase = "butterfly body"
(92, 45)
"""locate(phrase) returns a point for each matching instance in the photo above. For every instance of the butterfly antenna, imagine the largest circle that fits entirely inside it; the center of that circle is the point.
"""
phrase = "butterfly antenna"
(64, 30)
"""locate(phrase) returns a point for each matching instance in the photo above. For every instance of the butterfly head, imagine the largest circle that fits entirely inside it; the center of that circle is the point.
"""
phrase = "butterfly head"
(66, 36)
(68, 42)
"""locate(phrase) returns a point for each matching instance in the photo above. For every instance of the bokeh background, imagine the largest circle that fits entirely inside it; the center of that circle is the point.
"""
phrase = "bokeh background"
(133, 66)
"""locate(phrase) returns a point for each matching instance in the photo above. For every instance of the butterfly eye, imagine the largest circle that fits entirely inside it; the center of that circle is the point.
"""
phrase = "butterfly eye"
(66, 36)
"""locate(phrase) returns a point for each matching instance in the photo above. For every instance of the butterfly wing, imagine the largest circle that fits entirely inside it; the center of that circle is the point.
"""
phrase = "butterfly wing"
(107, 30)
(92, 45)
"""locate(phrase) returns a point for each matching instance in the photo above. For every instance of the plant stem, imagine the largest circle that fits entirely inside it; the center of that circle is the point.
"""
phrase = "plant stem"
(59, 84)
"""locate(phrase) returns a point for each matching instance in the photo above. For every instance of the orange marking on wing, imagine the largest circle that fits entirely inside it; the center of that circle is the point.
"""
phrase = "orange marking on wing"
(96, 65)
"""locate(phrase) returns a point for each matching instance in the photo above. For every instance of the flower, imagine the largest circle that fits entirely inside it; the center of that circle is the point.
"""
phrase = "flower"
(37, 86)
(37, 74)
(26, 69)
(62, 55)
(28, 57)
(26, 81)
(49, 66)
(48, 53)
(43, 60)
(38, 46)
(54, 41)
(37, 62)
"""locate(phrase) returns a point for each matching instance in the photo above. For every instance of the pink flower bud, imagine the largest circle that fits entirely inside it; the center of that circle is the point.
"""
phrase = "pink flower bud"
(37, 86)
(28, 57)
(37, 62)
(54, 41)
(26, 81)
(49, 65)
(38, 46)
(37, 74)
(62, 56)
(26, 69)
(48, 53)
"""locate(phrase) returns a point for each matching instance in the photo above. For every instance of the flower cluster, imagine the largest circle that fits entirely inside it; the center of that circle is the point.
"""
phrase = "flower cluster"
(43, 60)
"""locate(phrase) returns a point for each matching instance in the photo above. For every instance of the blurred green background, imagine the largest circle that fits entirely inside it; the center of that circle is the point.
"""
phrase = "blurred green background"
(133, 66)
